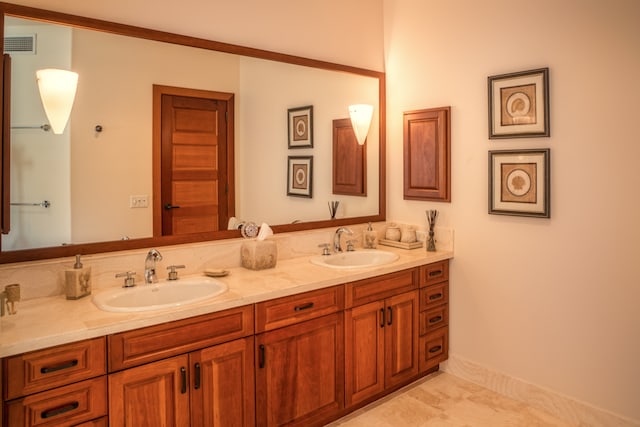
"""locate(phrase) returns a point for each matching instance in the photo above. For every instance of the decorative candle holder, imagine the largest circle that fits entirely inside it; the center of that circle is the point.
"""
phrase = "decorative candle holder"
(333, 208)
(431, 220)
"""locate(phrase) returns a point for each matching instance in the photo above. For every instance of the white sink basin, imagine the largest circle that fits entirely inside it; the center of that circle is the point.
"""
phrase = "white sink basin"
(165, 294)
(355, 259)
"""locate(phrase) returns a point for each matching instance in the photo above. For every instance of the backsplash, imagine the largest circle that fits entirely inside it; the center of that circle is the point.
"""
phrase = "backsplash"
(46, 278)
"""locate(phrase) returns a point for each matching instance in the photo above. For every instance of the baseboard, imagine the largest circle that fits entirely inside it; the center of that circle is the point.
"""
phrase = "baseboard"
(563, 407)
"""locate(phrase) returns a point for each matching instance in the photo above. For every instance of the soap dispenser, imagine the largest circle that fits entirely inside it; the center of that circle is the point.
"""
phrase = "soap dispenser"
(78, 280)
(369, 238)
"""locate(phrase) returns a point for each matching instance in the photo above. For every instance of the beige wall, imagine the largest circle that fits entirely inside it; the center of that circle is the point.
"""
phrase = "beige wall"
(553, 302)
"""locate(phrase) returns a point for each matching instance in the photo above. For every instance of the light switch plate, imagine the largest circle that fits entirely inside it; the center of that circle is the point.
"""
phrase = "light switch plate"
(139, 201)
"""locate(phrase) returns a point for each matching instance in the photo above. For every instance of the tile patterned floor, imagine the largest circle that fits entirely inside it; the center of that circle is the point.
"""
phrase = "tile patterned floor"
(445, 400)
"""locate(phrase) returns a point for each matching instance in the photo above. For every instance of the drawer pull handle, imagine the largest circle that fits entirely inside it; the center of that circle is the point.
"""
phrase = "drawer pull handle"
(435, 349)
(183, 374)
(303, 306)
(382, 317)
(64, 365)
(435, 296)
(59, 410)
(261, 356)
(435, 273)
(196, 383)
(390, 316)
(435, 319)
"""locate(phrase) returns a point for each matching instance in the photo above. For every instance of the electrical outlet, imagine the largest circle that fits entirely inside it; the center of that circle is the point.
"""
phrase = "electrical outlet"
(139, 201)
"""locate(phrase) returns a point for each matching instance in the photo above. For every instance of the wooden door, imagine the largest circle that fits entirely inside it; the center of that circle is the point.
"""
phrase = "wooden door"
(156, 394)
(300, 373)
(401, 338)
(364, 351)
(193, 181)
(222, 389)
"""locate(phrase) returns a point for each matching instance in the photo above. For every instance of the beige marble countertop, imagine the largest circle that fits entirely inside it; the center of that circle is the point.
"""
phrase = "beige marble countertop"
(50, 321)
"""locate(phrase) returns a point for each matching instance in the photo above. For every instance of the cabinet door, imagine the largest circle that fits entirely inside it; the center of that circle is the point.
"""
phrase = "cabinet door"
(222, 389)
(155, 394)
(401, 338)
(364, 351)
(300, 372)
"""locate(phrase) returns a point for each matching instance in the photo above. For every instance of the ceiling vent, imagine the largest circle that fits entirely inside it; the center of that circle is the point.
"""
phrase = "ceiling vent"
(20, 44)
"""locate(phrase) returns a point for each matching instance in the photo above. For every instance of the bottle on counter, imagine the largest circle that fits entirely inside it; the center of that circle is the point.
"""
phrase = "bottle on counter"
(369, 238)
(78, 280)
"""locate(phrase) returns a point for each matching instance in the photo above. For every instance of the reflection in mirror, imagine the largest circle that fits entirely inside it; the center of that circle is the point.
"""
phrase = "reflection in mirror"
(95, 181)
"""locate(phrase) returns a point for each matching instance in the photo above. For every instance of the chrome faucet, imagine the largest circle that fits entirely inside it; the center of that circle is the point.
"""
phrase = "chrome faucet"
(337, 247)
(150, 266)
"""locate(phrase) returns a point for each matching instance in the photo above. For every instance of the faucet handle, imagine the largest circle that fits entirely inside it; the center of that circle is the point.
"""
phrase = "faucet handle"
(129, 280)
(173, 274)
(325, 248)
(350, 247)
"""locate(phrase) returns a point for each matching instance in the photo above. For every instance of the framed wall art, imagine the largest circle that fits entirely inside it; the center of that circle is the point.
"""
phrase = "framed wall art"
(299, 176)
(519, 182)
(300, 127)
(519, 104)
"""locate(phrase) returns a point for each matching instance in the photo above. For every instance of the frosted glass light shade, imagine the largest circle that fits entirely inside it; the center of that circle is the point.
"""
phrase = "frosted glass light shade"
(57, 92)
(361, 120)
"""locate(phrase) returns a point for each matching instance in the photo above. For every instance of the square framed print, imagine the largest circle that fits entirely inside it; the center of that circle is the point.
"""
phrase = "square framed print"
(519, 104)
(300, 176)
(300, 127)
(519, 183)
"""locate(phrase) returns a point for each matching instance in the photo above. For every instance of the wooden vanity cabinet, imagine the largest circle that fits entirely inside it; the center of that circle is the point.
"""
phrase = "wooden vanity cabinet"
(434, 314)
(211, 385)
(381, 331)
(64, 385)
(300, 366)
(301, 360)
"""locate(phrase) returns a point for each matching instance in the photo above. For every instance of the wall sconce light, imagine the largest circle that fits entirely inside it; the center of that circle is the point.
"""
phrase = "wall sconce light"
(361, 120)
(57, 92)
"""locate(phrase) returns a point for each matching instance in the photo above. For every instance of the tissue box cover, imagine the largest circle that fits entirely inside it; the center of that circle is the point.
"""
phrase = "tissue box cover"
(259, 255)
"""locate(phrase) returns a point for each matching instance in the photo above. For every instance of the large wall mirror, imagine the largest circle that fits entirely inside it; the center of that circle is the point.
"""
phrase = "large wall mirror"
(99, 185)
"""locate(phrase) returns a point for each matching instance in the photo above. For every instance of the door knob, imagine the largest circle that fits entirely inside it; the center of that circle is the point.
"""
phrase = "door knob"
(169, 206)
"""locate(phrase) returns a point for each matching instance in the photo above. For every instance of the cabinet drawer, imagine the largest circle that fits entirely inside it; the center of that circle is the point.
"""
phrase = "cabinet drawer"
(434, 318)
(145, 345)
(434, 295)
(381, 287)
(41, 370)
(434, 348)
(434, 273)
(285, 311)
(64, 406)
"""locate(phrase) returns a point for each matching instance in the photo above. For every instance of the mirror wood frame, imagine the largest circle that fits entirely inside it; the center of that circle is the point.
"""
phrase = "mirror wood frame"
(8, 9)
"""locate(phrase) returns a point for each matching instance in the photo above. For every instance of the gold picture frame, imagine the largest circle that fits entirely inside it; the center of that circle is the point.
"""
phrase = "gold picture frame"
(519, 182)
(519, 104)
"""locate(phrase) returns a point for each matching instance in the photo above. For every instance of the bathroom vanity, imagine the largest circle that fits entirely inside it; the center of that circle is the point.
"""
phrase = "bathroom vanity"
(299, 344)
